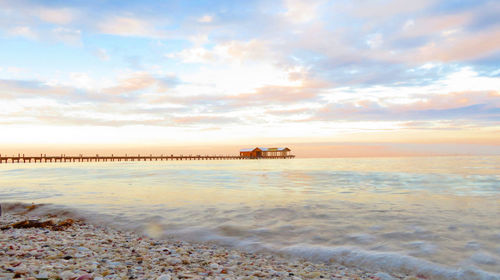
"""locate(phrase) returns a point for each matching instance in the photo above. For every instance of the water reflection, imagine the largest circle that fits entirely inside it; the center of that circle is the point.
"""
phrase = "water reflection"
(438, 209)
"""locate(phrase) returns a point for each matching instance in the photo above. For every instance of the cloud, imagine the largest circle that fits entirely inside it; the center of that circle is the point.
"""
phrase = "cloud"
(383, 9)
(226, 52)
(461, 47)
(38, 22)
(142, 81)
(129, 26)
(436, 25)
(287, 112)
(23, 31)
(438, 125)
(203, 119)
(62, 119)
(112, 115)
(58, 34)
(30, 11)
(364, 49)
(82, 88)
(482, 105)
(55, 116)
(34, 89)
(256, 65)
(193, 55)
(276, 95)
(18, 88)
(206, 19)
(301, 11)
(199, 39)
(59, 16)
(457, 100)
(375, 40)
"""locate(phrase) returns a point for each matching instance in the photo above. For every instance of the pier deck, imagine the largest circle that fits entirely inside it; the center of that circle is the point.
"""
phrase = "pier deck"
(97, 158)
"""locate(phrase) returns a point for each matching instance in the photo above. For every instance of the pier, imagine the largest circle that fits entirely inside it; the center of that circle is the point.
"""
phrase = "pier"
(21, 158)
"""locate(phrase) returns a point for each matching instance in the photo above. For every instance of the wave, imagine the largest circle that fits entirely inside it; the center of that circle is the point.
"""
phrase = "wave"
(389, 262)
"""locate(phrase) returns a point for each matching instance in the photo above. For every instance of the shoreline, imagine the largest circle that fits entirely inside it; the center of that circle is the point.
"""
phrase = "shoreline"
(85, 251)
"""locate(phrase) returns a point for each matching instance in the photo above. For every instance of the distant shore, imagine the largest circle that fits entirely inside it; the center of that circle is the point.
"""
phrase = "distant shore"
(84, 251)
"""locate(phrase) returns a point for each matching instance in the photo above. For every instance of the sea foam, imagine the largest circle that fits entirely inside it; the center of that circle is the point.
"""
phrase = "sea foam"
(388, 262)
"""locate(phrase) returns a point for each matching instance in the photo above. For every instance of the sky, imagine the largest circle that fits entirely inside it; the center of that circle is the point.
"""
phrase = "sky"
(325, 78)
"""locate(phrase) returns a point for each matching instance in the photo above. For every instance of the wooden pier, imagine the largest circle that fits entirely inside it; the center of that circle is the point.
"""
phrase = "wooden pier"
(97, 158)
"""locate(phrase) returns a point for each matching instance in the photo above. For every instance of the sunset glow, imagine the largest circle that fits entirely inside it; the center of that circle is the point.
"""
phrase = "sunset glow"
(362, 78)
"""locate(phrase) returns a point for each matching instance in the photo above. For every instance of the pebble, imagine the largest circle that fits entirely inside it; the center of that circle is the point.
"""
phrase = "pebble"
(65, 275)
(84, 252)
(42, 275)
(85, 277)
(173, 261)
(384, 276)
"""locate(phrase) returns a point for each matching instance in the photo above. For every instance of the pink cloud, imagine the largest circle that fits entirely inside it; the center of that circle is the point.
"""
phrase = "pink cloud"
(461, 47)
(453, 100)
(480, 106)
(136, 82)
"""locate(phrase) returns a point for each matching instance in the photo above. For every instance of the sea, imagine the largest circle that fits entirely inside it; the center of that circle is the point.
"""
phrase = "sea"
(437, 216)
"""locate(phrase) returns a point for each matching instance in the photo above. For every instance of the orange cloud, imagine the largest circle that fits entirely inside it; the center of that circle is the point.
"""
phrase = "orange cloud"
(138, 81)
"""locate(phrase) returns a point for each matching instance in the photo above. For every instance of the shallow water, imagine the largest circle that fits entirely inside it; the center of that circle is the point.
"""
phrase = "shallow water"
(438, 215)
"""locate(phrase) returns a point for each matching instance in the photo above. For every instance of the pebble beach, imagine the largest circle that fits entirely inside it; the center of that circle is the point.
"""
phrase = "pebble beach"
(85, 251)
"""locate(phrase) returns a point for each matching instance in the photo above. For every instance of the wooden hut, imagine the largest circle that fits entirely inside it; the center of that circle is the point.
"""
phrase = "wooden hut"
(251, 152)
(261, 152)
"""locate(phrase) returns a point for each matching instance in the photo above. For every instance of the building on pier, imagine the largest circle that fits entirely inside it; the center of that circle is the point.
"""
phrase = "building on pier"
(261, 152)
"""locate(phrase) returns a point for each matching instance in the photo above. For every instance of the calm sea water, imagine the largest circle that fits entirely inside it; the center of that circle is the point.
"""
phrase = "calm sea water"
(439, 215)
